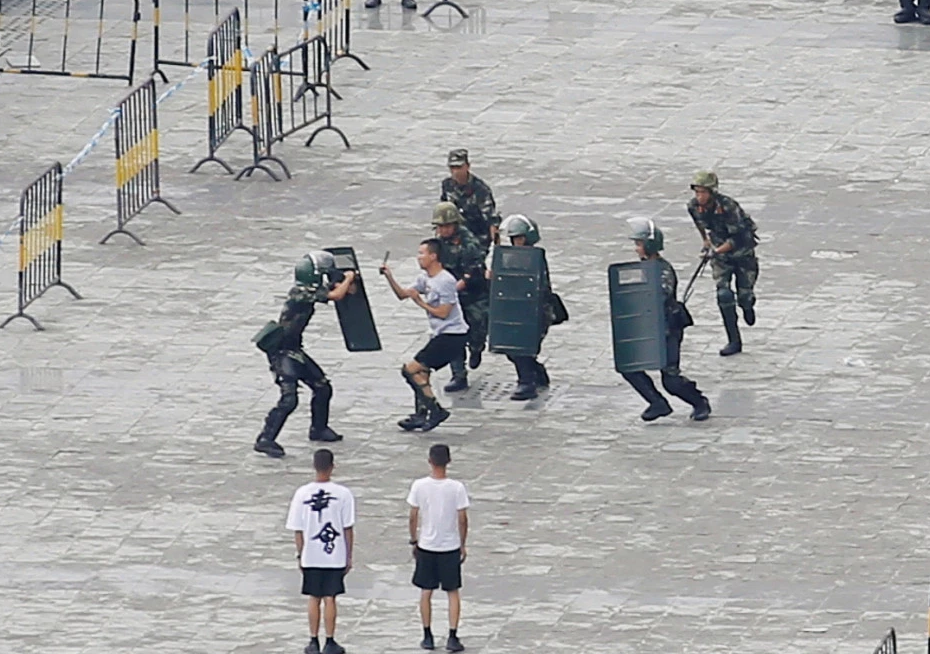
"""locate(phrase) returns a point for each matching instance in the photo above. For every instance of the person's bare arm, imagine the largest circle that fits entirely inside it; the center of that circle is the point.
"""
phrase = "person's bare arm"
(350, 546)
(412, 523)
(341, 289)
(401, 292)
(463, 530)
(299, 542)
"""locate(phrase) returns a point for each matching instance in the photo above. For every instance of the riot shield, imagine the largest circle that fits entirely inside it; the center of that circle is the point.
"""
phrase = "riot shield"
(515, 315)
(355, 319)
(637, 316)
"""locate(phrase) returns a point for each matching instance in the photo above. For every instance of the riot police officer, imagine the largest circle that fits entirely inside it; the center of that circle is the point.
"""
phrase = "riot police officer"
(472, 196)
(531, 374)
(729, 236)
(282, 341)
(649, 241)
(463, 257)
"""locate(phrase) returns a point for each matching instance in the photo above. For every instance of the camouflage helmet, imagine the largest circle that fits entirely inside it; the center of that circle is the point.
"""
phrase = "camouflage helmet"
(705, 179)
(446, 213)
(642, 229)
(519, 225)
(310, 269)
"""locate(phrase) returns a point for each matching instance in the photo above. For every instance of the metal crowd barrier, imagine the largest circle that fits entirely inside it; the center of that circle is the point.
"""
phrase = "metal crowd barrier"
(334, 24)
(12, 29)
(267, 115)
(41, 213)
(281, 112)
(889, 644)
(224, 87)
(137, 177)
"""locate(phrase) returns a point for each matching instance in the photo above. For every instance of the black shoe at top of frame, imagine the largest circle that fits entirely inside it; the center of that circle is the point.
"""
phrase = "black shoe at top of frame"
(269, 447)
(325, 435)
(454, 644)
(456, 384)
(408, 4)
(730, 349)
(427, 643)
(658, 409)
(312, 648)
(413, 421)
(524, 392)
(372, 4)
(474, 359)
(701, 411)
(906, 16)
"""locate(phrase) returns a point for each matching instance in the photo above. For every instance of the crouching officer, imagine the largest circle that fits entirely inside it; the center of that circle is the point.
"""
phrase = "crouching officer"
(649, 241)
(729, 236)
(463, 257)
(282, 341)
(531, 374)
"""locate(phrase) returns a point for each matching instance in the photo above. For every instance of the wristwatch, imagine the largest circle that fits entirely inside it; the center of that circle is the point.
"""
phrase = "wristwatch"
(413, 541)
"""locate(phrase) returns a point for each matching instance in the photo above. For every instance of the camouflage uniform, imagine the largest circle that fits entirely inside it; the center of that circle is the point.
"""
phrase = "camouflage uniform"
(462, 255)
(726, 221)
(476, 202)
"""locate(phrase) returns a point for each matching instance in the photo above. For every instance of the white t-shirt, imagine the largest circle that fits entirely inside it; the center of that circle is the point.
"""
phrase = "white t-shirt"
(439, 502)
(322, 511)
(440, 290)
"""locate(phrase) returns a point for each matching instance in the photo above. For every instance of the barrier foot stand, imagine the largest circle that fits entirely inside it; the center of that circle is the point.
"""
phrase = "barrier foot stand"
(120, 230)
(330, 128)
(248, 170)
(212, 158)
(355, 58)
(20, 314)
(446, 3)
(163, 201)
(160, 73)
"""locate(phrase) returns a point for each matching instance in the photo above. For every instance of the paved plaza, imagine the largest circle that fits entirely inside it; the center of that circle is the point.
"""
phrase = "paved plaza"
(134, 516)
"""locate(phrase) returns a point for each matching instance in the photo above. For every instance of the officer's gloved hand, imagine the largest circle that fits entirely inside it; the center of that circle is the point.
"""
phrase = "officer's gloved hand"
(708, 253)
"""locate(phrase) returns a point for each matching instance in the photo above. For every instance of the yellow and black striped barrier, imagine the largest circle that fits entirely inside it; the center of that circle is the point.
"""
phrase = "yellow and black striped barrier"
(37, 15)
(137, 175)
(224, 87)
(41, 217)
(334, 24)
(267, 115)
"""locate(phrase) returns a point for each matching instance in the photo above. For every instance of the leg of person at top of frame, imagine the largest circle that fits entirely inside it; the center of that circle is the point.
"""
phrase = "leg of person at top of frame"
(746, 272)
(907, 14)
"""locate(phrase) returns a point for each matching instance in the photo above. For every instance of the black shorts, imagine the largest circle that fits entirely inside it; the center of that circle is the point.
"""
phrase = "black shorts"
(442, 350)
(438, 568)
(323, 582)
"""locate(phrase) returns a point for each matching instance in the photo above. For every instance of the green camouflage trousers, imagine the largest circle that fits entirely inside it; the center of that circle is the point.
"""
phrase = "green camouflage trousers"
(745, 269)
(476, 315)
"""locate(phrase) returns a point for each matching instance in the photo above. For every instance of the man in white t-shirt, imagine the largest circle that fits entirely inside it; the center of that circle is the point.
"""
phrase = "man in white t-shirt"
(438, 528)
(434, 291)
(322, 516)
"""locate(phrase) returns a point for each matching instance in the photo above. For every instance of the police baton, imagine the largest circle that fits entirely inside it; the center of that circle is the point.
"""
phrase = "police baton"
(690, 287)
(387, 255)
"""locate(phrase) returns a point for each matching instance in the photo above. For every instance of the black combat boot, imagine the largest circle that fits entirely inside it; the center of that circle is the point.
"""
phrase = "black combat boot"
(701, 411)
(658, 408)
(459, 381)
(372, 4)
(435, 415)
(413, 421)
(324, 434)
(269, 447)
(735, 343)
(474, 359)
(923, 11)
(408, 4)
(907, 13)
(524, 392)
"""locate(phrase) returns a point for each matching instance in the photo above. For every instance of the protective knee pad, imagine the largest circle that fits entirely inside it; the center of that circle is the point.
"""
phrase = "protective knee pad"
(746, 297)
(725, 297)
(288, 401)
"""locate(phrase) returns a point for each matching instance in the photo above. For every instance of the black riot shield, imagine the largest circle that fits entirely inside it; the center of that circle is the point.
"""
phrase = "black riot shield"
(355, 319)
(637, 316)
(515, 315)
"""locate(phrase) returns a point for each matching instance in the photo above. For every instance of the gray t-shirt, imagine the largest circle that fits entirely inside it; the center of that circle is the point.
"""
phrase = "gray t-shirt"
(440, 290)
